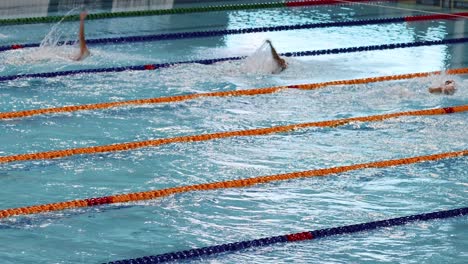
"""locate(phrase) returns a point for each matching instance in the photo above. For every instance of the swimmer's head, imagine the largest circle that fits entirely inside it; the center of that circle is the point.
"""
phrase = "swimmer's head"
(449, 82)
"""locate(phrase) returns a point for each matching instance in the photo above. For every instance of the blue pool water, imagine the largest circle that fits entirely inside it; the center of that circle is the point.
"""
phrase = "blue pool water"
(184, 221)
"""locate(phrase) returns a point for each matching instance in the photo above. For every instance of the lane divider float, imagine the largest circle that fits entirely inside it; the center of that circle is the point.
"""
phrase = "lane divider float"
(54, 154)
(246, 92)
(212, 61)
(215, 33)
(308, 235)
(174, 11)
(240, 183)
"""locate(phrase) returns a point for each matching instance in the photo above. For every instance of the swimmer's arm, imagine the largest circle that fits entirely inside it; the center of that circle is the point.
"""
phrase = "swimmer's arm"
(84, 52)
(435, 90)
(281, 62)
(275, 55)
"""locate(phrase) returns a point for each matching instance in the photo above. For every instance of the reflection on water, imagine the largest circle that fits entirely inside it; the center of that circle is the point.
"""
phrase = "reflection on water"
(132, 5)
(110, 5)
(25, 8)
(444, 3)
(19, 8)
(459, 53)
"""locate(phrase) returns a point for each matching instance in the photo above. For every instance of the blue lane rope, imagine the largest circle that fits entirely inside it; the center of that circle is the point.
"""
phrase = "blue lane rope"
(114, 69)
(211, 61)
(349, 229)
(214, 33)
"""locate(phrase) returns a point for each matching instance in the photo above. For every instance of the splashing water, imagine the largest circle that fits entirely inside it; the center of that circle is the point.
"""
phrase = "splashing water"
(51, 47)
(261, 61)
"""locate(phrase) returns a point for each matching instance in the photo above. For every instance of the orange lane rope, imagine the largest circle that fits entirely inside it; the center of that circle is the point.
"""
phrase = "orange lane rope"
(148, 195)
(247, 92)
(204, 137)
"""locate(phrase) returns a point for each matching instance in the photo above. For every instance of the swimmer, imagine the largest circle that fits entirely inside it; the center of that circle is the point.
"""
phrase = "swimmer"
(84, 52)
(282, 65)
(448, 88)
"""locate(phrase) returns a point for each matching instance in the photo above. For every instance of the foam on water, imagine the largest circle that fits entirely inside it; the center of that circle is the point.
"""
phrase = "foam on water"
(44, 55)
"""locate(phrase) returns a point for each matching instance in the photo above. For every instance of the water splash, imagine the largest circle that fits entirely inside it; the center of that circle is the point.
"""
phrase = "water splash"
(53, 45)
(261, 61)
(51, 48)
(53, 37)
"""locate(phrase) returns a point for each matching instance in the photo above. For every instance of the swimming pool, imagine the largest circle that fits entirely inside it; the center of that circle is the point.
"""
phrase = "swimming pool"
(197, 219)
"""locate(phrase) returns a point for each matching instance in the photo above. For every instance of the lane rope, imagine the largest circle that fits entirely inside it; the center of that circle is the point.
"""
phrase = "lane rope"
(214, 33)
(175, 11)
(246, 92)
(212, 61)
(240, 183)
(308, 235)
(54, 154)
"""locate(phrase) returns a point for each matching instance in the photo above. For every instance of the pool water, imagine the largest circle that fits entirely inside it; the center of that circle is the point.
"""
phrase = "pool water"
(198, 219)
